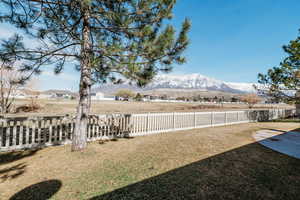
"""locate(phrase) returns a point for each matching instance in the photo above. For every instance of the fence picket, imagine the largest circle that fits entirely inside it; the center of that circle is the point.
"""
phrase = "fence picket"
(28, 124)
(60, 126)
(21, 133)
(1, 132)
(7, 134)
(39, 131)
(14, 133)
(50, 130)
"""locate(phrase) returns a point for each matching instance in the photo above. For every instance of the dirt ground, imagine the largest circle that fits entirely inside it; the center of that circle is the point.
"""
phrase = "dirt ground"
(101, 107)
(210, 163)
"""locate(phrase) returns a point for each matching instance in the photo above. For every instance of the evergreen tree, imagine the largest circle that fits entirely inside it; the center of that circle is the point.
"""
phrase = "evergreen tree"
(138, 97)
(111, 40)
(125, 94)
(283, 82)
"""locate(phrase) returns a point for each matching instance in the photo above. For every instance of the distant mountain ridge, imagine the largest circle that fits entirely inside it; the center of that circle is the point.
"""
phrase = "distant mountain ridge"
(188, 81)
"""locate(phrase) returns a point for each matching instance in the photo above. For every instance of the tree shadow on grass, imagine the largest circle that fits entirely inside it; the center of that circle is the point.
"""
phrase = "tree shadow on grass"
(12, 172)
(271, 129)
(249, 172)
(14, 156)
(283, 131)
(39, 191)
(17, 170)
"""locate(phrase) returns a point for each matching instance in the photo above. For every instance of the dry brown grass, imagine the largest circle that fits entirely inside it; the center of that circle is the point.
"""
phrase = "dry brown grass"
(98, 107)
(210, 163)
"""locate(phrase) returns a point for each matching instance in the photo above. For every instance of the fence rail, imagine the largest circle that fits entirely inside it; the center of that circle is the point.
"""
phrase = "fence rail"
(24, 132)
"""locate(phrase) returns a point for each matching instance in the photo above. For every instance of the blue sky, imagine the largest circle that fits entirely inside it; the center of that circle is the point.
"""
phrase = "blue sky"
(231, 40)
(234, 40)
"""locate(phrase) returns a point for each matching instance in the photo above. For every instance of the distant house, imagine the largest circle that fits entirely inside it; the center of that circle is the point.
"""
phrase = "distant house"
(45, 96)
(149, 97)
(31, 93)
(99, 96)
(18, 94)
(24, 94)
(58, 94)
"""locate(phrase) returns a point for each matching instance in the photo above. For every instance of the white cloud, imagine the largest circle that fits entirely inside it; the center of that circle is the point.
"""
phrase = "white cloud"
(64, 80)
(63, 76)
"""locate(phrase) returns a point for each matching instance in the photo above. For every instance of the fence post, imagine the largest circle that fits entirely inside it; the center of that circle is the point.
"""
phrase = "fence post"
(237, 116)
(248, 115)
(173, 120)
(21, 133)
(50, 130)
(1, 132)
(14, 124)
(225, 118)
(148, 124)
(7, 135)
(39, 130)
(28, 125)
(212, 119)
(195, 119)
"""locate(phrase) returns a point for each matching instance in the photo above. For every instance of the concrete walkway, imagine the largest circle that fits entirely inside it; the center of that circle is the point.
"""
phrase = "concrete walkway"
(283, 142)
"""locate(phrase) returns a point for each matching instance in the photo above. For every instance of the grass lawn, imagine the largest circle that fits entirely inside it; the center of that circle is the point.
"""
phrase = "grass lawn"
(210, 163)
(69, 106)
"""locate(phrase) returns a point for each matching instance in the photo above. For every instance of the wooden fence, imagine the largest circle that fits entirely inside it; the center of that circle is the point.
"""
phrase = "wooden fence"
(24, 132)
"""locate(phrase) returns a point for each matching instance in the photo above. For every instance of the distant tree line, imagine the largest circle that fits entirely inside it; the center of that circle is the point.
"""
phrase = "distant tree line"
(129, 95)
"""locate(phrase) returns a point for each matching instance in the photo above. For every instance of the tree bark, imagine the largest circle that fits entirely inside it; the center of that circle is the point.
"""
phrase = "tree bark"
(79, 140)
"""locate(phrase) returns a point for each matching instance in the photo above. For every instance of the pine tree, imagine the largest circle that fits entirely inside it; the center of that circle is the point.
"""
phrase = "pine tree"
(111, 40)
(138, 97)
(283, 82)
(125, 94)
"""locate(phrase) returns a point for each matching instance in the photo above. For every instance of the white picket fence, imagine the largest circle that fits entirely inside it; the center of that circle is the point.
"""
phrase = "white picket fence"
(23, 132)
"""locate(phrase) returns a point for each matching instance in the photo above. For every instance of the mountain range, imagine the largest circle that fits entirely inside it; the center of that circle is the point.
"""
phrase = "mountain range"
(183, 82)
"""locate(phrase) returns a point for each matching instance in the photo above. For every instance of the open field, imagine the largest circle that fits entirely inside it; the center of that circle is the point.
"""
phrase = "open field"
(210, 163)
(99, 107)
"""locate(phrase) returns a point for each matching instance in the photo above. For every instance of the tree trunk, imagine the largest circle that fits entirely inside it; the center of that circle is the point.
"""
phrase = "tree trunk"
(79, 140)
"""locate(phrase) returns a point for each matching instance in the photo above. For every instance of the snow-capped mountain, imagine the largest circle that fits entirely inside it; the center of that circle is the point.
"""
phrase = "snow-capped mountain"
(244, 87)
(188, 81)
(198, 81)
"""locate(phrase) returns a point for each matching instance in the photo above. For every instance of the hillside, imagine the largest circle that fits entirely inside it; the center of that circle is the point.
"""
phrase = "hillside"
(184, 84)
